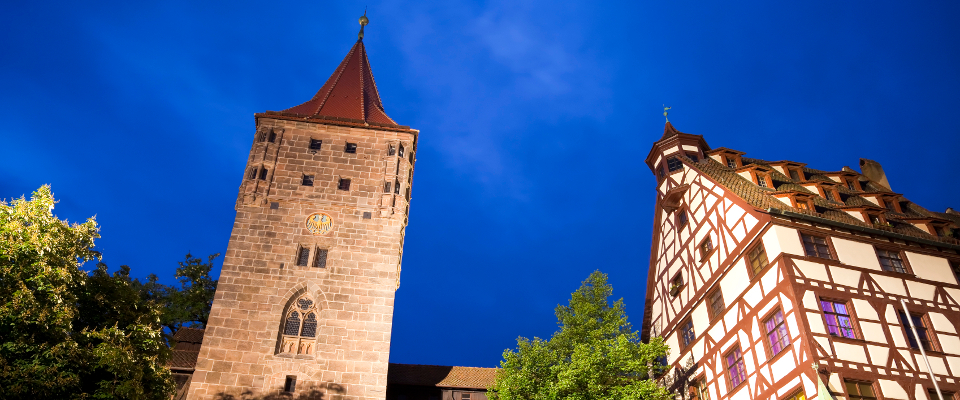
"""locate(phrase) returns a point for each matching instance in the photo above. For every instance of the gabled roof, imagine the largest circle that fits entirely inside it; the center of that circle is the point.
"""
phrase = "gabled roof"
(350, 94)
(440, 376)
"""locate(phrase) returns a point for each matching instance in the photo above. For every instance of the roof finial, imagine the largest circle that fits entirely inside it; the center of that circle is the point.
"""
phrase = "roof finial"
(665, 108)
(363, 22)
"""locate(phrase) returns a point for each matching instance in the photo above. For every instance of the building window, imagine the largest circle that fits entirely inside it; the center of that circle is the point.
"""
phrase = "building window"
(315, 144)
(758, 258)
(703, 391)
(396, 187)
(798, 395)
(300, 327)
(716, 304)
(408, 193)
(465, 396)
(411, 158)
(794, 175)
(919, 322)
(874, 219)
(320, 258)
(350, 148)
(273, 137)
(303, 255)
(263, 174)
(252, 174)
(660, 173)
(802, 204)
(777, 335)
(290, 385)
(860, 390)
(738, 372)
(262, 136)
(838, 319)
(386, 187)
(307, 180)
(391, 150)
(693, 157)
(687, 335)
(761, 180)
(681, 218)
(344, 184)
(945, 395)
(705, 248)
(852, 185)
(401, 151)
(955, 266)
(890, 261)
(732, 162)
(888, 205)
(816, 246)
(676, 284)
(674, 164)
(834, 195)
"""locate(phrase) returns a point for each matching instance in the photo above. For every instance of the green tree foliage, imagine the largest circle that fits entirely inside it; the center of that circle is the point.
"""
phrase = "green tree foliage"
(65, 333)
(189, 305)
(595, 355)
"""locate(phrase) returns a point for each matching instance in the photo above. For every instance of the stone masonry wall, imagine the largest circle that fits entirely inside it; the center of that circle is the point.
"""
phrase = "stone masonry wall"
(355, 291)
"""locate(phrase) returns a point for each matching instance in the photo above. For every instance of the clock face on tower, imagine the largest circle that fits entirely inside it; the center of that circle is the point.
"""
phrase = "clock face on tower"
(319, 223)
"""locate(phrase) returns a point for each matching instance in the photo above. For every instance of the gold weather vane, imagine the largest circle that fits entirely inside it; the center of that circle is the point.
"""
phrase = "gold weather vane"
(363, 22)
(665, 108)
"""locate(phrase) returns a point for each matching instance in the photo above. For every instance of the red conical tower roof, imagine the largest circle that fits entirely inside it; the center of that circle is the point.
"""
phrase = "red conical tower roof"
(350, 94)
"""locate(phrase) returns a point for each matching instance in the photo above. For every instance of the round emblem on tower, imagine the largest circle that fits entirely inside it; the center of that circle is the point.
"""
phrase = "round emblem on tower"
(319, 223)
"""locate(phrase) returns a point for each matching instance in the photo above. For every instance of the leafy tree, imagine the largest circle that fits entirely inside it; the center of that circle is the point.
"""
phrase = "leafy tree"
(595, 355)
(189, 305)
(65, 333)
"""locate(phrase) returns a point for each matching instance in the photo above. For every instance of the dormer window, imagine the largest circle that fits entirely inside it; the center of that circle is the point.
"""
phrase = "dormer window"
(693, 157)
(732, 162)
(674, 164)
(852, 184)
(802, 205)
(794, 175)
(762, 180)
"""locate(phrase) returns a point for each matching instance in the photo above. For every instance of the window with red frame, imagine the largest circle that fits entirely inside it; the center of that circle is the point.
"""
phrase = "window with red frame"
(761, 180)
(923, 334)
(860, 390)
(777, 335)
(758, 258)
(838, 319)
(890, 261)
(735, 366)
(706, 247)
(816, 246)
(681, 218)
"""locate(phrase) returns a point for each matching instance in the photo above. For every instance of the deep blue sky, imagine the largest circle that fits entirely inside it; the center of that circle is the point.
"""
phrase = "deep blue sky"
(535, 121)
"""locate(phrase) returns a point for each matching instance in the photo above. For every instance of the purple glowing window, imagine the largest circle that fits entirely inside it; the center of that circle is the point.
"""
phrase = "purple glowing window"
(738, 373)
(838, 319)
(777, 333)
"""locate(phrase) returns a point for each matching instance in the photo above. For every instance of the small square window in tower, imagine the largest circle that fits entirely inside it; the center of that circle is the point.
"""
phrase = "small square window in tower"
(391, 150)
(303, 256)
(252, 174)
(674, 164)
(315, 144)
(290, 385)
(263, 174)
(262, 137)
(307, 180)
(344, 184)
(401, 151)
(320, 258)
(386, 187)
(273, 137)
(350, 148)
(396, 187)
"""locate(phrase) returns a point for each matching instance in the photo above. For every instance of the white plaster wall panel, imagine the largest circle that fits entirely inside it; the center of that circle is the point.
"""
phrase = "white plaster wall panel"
(739, 232)
(937, 363)
(921, 290)
(810, 301)
(949, 344)
(872, 199)
(663, 186)
(734, 213)
(689, 148)
(850, 352)
(864, 310)
(717, 157)
(890, 284)
(710, 201)
(954, 363)
(845, 276)
(919, 392)
(707, 184)
(771, 277)
(674, 343)
(922, 366)
(787, 303)
(698, 348)
(750, 221)
(746, 175)
(857, 254)
(717, 331)
(766, 306)
(879, 355)
(808, 385)
(941, 322)
(789, 386)
(855, 214)
(771, 243)
(932, 268)
(742, 393)
(699, 214)
(872, 332)
(730, 243)
(892, 390)
(815, 322)
(954, 293)
(792, 327)
(788, 239)
(824, 343)
(908, 356)
(735, 282)
(812, 270)
(782, 367)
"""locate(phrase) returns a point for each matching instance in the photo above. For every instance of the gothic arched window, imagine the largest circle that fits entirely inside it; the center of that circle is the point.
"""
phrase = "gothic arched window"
(300, 327)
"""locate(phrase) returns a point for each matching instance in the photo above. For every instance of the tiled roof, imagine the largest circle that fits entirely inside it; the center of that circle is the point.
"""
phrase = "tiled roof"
(192, 335)
(440, 376)
(350, 94)
(763, 199)
(184, 359)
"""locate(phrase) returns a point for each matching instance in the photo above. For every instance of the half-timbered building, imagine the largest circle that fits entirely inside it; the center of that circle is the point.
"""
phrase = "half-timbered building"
(778, 281)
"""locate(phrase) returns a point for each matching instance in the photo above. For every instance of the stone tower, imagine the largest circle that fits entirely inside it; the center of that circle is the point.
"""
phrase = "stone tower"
(305, 300)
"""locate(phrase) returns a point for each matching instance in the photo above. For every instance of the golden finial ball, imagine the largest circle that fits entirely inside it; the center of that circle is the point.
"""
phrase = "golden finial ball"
(364, 20)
